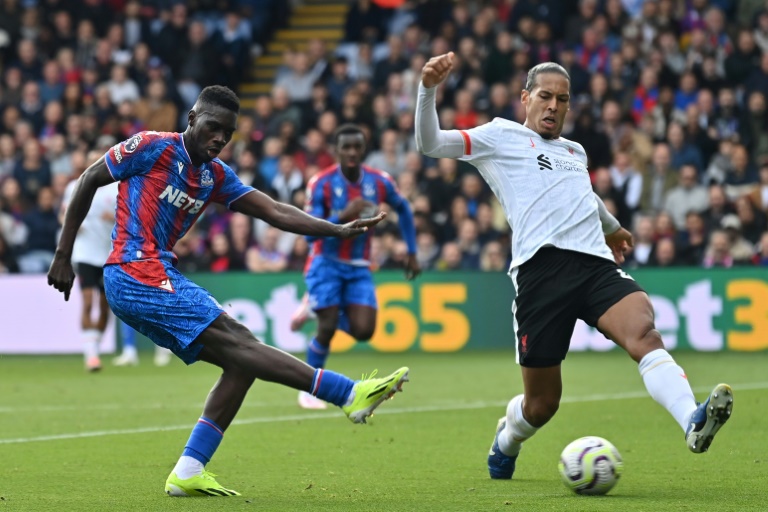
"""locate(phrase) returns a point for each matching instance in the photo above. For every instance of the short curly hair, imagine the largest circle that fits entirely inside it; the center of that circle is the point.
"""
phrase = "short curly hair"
(220, 96)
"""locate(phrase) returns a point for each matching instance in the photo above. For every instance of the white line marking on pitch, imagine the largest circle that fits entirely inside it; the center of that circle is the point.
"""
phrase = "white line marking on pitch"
(389, 410)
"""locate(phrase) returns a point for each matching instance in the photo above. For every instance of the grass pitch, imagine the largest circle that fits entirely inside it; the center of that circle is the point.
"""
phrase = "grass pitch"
(76, 442)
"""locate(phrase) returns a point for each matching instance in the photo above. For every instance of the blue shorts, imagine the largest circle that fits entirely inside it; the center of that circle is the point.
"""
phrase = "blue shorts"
(333, 283)
(155, 299)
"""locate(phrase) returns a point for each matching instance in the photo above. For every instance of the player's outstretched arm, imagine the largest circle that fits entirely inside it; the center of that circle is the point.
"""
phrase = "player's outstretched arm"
(289, 218)
(430, 140)
(61, 275)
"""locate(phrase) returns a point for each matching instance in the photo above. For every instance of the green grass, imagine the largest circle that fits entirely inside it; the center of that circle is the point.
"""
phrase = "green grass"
(425, 451)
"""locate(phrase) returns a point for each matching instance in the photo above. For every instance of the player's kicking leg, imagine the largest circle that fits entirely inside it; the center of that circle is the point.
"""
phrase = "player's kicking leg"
(629, 322)
(232, 347)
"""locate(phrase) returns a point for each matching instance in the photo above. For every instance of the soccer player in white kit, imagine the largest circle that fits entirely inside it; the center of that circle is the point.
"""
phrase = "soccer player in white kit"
(564, 243)
(89, 253)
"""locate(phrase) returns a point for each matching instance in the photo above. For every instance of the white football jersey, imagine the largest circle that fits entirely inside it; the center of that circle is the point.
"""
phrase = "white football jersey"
(543, 185)
(94, 239)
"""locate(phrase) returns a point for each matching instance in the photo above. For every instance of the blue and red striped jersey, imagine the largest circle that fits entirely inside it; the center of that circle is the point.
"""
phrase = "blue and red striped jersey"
(329, 192)
(161, 194)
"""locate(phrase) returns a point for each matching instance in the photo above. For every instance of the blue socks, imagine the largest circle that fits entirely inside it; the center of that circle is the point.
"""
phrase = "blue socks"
(331, 387)
(316, 354)
(204, 440)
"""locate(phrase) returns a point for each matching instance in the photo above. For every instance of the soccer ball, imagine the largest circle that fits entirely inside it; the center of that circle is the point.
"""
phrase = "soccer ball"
(590, 465)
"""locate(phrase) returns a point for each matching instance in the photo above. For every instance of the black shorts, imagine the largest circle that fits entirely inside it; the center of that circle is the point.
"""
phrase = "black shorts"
(90, 276)
(554, 289)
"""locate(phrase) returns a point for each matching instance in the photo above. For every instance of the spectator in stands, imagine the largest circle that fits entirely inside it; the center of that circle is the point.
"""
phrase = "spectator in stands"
(758, 78)
(121, 87)
(339, 81)
(719, 251)
(268, 167)
(719, 207)
(686, 197)
(198, 63)
(728, 121)
(232, 43)
(394, 62)
(298, 83)
(745, 58)
(390, 158)
(628, 181)
(493, 258)
(664, 254)
(365, 22)
(640, 254)
(692, 241)
(468, 242)
(741, 250)
(742, 175)
(758, 196)
(450, 257)
(297, 258)
(753, 221)
(32, 172)
(427, 249)
(283, 110)
(757, 126)
(658, 180)
(155, 111)
(761, 258)
(223, 258)
(664, 226)
(289, 178)
(267, 257)
(42, 224)
(682, 152)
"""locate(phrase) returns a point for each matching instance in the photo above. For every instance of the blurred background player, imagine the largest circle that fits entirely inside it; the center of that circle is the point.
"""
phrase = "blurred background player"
(339, 281)
(89, 254)
(166, 181)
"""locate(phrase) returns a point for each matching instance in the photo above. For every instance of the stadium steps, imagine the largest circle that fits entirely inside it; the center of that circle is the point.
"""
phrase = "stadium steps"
(321, 19)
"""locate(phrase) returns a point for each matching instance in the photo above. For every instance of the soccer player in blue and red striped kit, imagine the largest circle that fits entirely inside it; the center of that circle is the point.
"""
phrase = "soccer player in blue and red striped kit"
(338, 276)
(166, 182)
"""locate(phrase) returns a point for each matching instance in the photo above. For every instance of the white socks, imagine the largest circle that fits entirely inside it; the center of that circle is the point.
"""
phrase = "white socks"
(517, 429)
(667, 384)
(91, 338)
(187, 467)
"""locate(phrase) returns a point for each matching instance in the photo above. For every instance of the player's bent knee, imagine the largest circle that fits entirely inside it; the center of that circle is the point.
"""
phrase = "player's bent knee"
(362, 334)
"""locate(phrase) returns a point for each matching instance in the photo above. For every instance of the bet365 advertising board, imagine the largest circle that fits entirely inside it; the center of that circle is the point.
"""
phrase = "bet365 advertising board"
(703, 310)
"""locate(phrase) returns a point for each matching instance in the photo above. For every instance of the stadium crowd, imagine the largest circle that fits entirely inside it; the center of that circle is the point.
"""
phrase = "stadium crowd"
(668, 99)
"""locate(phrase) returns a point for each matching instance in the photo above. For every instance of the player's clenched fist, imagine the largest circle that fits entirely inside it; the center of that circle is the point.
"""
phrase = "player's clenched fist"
(437, 69)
